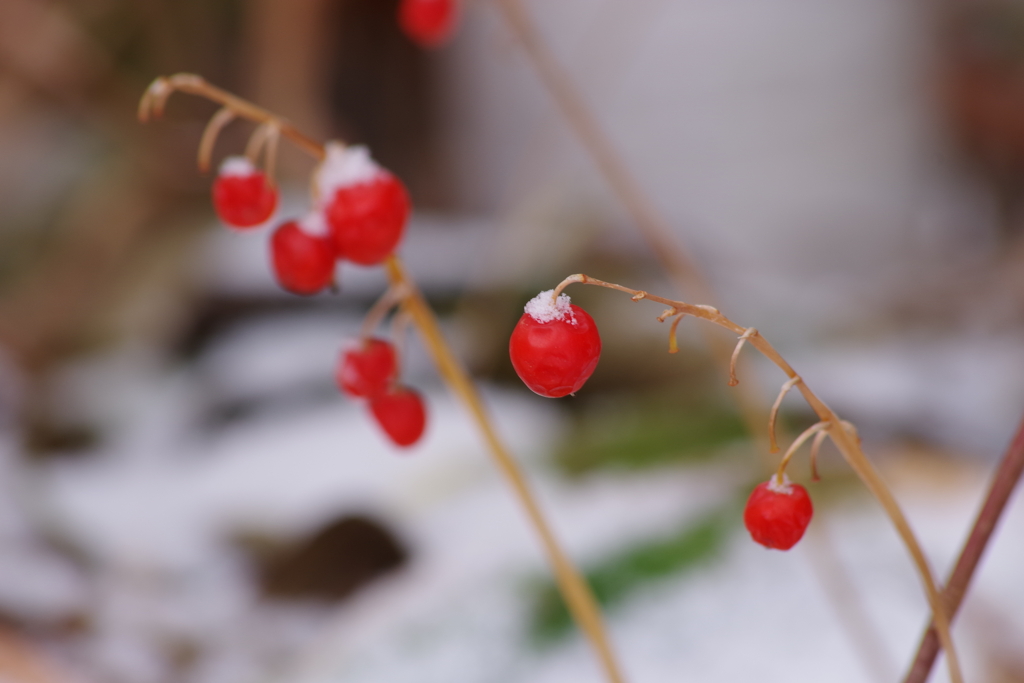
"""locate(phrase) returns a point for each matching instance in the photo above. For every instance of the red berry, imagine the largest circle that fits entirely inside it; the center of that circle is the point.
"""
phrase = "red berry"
(242, 196)
(778, 514)
(555, 346)
(368, 369)
(401, 414)
(303, 256)
(367, 218)
(428, 22)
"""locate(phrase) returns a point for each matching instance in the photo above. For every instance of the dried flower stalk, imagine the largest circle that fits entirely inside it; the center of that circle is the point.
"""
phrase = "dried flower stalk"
(577, 594)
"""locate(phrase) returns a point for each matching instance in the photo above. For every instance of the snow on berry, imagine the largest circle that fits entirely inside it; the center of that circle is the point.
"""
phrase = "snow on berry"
(242, 196)
(365, 205)
(777, 513)
(367, 369)
(429, 23)
(555, 346)
(400, 413)
(302, 255)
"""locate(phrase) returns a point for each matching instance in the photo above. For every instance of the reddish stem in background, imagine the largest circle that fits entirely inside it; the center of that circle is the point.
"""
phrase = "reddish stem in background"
(1003, 484)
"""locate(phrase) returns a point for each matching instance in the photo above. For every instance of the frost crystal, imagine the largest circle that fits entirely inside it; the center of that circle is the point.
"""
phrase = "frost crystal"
(344, 166)
(543, 308)
(238, 165)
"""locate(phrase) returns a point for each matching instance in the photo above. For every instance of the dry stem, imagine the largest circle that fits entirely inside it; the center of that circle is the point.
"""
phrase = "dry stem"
(577, 594)
(1003, 483)
(841, 433)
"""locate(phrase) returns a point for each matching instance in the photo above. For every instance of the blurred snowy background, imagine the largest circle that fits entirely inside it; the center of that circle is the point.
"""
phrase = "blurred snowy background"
(184, 495)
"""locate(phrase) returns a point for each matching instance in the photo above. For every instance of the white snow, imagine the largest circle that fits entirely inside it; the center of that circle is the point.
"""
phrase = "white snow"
(236, 166)
(344, 166)
(545, 308)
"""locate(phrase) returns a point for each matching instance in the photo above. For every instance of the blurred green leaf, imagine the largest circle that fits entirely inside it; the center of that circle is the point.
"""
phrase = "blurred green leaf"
(646, 437)
(623, 573)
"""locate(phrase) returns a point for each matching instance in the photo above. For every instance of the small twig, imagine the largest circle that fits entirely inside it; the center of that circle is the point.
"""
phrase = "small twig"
(815, 448)
(388, 300)
(673, 343)
(733, 381)
(773, 416)
(210, 135)
(257, 140)
(1004, 481)
(797, 443)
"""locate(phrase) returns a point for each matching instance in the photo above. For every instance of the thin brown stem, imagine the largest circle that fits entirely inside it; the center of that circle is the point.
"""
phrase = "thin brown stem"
(733, 380)
(577, 594)
(210, 135)
(773, 414)
(155, 98)
(1004, 481)
(394, 295)
(845, 440)
(815, 429)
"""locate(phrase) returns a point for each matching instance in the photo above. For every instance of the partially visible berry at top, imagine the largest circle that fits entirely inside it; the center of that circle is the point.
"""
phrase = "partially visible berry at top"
(429, 23)
(242, 195)
(302, 255)
(366, 207)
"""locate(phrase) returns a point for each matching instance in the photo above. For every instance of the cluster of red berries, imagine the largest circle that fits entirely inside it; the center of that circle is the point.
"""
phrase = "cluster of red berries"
(429, 23)
(360, 216)
(369, 371)
(554, 349)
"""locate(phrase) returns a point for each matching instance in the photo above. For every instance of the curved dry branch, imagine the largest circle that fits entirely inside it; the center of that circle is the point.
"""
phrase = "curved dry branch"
(842, 434)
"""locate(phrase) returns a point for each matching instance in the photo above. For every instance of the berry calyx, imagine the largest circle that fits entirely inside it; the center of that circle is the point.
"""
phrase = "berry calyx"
(302, 255)
(400, 413)
(428, 23)
(555, 346)
(242, 195)
(367, 369)
(777, 513)
(366, 206)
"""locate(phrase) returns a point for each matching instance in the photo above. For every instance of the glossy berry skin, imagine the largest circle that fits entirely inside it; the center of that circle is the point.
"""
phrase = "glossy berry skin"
(368, 218)
(303, 262)
(244, 201)
(368, 369)
(555, 358)
(400, 412)
(777, 517)
(429, 23)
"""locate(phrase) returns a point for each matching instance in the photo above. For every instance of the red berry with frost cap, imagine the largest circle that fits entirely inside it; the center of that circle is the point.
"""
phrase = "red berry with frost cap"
(367, 369)
(400, 413)
(302, 255)
(366, 206)
(555, 346)
(242, 196)
(428, 22)
(777, 514)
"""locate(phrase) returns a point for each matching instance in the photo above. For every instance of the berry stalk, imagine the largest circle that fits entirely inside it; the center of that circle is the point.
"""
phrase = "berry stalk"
(841, 433)
(576, 592)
